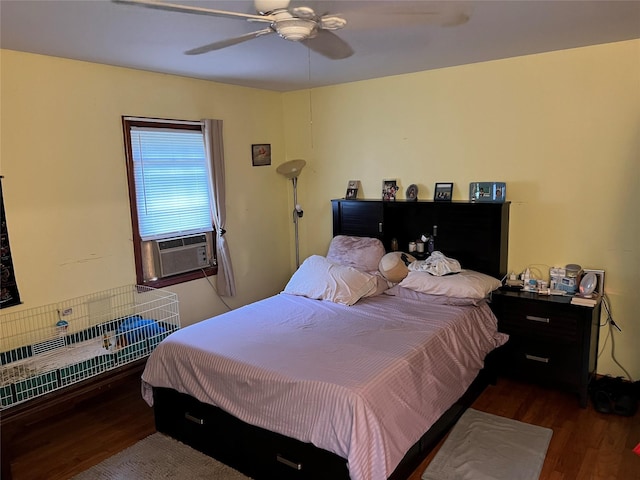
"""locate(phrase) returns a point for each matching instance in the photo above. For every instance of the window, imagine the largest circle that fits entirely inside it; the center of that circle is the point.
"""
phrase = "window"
(170, 199)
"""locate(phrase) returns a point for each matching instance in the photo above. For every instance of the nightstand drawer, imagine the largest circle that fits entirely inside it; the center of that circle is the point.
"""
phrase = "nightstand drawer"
(542, 362)
(537, 319)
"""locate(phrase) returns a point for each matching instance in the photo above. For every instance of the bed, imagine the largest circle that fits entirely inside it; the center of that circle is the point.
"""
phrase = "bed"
(338, 376)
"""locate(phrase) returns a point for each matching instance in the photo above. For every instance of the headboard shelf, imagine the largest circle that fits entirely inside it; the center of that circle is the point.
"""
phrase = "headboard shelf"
(474, 233)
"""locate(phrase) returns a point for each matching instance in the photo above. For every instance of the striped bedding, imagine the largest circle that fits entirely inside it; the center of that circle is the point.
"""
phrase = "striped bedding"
(364, 381)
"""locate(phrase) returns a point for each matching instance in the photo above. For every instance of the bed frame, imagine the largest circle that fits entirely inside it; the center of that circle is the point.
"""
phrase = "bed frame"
(476, 234)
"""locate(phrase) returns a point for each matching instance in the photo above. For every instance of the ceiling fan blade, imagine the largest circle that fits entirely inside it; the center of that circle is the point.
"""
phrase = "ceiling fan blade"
(410, 14)
(227, 43)
(172, 7)
(328, 44)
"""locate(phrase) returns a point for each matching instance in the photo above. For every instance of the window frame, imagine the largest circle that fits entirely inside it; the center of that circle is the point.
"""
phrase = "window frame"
(127, 123)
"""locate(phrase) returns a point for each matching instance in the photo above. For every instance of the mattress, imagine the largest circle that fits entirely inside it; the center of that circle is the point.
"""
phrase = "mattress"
(364, 382)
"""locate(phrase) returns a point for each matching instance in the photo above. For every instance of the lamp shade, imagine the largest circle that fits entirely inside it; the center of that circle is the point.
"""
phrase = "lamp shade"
(292, 168)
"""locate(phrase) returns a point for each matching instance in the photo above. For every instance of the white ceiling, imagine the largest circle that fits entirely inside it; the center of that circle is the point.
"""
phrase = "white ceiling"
(385, 38)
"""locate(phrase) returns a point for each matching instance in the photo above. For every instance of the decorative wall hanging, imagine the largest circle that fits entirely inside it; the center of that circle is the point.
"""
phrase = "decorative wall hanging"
(9, 295)
(261, 154)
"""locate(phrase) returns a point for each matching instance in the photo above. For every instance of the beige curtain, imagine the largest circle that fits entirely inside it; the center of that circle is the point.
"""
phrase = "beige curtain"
(214, 147)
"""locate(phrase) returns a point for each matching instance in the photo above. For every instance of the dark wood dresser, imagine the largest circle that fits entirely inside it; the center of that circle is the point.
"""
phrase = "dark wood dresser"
(551, 341)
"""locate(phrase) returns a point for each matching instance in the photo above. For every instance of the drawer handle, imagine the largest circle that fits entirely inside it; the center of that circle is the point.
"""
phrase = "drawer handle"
(379, 227)
(537, 319)
(536, 358)
(289, 463)
(191, 418)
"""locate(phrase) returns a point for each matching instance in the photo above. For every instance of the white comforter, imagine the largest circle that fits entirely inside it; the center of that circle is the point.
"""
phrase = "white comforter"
(364, 382)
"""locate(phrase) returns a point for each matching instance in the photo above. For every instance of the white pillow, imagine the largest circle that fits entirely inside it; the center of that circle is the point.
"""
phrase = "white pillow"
(320, 279)
(363, 253)
(466, 284)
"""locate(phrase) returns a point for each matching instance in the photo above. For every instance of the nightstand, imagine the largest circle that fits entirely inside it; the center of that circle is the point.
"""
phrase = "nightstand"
(550, 341)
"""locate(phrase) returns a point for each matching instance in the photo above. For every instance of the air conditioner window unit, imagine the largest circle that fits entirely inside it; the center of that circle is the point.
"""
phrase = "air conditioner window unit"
(181, 254)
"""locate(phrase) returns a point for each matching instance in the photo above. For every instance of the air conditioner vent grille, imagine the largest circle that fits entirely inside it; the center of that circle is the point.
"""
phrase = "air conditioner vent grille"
(181, 254)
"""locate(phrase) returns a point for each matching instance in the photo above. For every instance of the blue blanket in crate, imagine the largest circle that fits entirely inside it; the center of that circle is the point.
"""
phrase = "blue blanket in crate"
(136, 329)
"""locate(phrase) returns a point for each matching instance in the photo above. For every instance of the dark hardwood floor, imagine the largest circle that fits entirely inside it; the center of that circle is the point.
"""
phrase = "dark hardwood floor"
(585, 443)
(75, 440)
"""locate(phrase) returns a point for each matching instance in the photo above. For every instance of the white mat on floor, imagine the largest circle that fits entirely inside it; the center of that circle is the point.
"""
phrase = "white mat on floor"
(159, 456)
(482, 446)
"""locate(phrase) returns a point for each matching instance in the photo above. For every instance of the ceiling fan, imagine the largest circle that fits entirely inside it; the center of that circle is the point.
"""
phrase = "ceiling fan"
(297, 24)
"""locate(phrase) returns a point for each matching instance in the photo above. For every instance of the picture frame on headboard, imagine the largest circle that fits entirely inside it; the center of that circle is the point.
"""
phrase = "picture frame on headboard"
(487, 191)
(352, 190)
(443, 192)
(389, 190)
(412, 193)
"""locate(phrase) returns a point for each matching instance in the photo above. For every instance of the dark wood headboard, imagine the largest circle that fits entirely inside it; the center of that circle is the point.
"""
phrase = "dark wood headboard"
(475, 234)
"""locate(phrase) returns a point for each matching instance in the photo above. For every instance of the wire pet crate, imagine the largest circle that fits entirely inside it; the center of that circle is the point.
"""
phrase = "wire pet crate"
(53, 346)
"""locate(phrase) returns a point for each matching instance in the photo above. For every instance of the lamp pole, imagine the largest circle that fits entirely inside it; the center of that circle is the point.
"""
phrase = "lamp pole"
(296, 215)
(291, 169)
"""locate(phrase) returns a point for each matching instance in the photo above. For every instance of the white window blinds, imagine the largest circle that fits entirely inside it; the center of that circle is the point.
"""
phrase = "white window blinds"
(172, 182)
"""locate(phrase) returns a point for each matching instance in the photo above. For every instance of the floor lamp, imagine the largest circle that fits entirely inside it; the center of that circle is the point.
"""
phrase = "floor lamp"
(291, 169)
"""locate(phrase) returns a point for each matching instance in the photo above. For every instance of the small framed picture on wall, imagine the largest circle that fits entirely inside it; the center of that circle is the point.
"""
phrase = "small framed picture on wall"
(443, 192)
(261, 154)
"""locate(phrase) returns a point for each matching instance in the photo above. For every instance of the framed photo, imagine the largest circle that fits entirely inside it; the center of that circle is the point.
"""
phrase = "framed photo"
(443, 192)
(261, 154)
(389, 190)
(487, 191)
(352, 189)
(412, 193)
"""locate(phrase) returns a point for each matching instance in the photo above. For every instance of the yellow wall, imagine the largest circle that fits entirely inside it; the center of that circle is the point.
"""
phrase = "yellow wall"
(65, 182)
(561, 128)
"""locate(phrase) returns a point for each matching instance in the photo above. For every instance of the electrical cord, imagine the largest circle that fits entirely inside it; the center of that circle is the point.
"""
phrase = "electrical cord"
(610, 335)
(216, 290)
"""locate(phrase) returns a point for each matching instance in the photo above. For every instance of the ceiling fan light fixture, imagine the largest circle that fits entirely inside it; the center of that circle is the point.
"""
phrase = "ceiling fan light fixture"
(295, 29)
(267, 6)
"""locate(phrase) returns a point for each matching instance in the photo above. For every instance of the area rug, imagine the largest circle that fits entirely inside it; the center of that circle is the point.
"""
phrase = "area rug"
(157, 457)
(489, 447)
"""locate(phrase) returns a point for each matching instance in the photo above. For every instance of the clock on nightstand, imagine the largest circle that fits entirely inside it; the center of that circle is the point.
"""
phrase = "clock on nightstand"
(551, 341)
